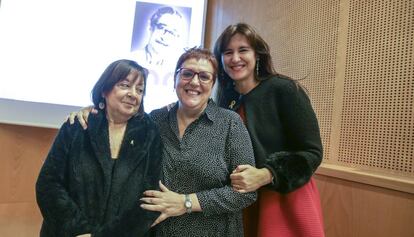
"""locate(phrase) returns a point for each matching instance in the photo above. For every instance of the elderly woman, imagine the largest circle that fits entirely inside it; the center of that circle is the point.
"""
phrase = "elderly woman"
(91, 180)
(203, 144)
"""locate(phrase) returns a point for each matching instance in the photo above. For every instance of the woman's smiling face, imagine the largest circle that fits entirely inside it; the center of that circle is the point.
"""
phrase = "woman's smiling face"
(124, 100)
(194, 94)
(239, 59)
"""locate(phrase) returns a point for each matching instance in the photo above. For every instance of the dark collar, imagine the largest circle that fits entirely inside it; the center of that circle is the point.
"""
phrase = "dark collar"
(98, 126)
(210, 112)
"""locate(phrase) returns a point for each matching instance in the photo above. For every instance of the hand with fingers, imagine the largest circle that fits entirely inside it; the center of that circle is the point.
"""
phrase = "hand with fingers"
(82, 116)
(246, 178)
(170, 106)
(167, 202)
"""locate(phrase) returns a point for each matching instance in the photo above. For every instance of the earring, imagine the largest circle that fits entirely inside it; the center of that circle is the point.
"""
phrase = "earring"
(257, 66)
(101, 105)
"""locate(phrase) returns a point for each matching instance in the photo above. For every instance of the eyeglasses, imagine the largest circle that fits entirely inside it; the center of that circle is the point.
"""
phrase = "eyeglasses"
(165, 29)
(188, 75)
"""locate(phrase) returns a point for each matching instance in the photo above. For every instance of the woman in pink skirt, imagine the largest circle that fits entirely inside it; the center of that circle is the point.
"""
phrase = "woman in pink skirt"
(285, 135)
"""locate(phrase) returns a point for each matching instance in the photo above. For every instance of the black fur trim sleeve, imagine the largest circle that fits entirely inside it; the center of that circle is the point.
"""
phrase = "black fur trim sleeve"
(290, 170)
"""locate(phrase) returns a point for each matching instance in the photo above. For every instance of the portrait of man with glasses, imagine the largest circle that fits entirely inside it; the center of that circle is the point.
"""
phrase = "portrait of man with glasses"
(160, 36)
(166, 29)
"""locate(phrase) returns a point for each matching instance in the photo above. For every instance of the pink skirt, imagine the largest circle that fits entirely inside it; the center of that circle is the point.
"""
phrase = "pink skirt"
(295, 214)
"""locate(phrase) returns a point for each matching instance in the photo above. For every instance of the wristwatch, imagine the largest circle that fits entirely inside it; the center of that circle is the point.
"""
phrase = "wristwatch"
(188, 204)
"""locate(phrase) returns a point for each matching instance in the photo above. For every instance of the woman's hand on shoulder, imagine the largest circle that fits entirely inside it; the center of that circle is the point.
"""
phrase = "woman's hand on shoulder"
(246, 178)
(170, 106)
(82, 116)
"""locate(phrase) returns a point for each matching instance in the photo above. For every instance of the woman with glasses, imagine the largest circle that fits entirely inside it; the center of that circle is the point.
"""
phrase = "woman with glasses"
(203, 144)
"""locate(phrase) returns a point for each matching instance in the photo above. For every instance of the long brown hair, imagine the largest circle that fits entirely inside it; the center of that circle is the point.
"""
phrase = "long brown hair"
(260, 47)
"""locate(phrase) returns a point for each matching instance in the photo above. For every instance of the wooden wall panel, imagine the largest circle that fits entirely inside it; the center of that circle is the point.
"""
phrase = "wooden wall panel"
(22, 150)
(21, 219)
(377, 131)
(355, 209)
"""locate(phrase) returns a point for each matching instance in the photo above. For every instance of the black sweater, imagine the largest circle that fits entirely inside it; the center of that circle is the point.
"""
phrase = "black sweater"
(79, 190)
(284, 130)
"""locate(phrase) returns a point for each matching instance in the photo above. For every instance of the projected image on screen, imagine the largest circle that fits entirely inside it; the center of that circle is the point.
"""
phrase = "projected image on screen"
(52, 52)
(160, 35)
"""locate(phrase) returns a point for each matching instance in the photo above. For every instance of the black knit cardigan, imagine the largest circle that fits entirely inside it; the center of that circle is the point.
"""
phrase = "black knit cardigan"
(283, 128)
